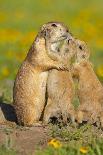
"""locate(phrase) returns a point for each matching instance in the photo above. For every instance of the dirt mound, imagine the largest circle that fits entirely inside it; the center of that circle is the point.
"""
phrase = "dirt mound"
(24, 140)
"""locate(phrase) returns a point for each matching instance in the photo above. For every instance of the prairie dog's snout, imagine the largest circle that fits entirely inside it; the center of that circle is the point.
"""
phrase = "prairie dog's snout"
(70, 37)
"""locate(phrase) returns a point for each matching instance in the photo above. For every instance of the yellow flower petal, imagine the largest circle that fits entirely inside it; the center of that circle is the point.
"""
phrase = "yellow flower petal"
(84, 150)
(5, 71)
(55, 143)
(100, 71)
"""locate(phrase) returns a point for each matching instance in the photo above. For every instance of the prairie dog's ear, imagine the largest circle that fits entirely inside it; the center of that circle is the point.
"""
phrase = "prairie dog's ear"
(86, 53)
(44, 32)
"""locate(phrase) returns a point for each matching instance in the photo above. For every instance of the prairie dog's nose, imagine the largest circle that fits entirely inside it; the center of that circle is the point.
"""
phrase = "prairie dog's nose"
(70, 37)
(65, 35)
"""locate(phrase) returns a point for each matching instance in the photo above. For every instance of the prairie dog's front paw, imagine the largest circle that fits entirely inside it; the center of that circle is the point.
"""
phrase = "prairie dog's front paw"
(64, 67)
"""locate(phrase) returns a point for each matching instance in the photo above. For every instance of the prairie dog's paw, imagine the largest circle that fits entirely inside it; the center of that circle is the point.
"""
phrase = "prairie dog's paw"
(63, 67)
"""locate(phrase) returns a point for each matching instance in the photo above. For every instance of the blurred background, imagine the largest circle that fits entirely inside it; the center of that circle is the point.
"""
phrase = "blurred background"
(20, 21)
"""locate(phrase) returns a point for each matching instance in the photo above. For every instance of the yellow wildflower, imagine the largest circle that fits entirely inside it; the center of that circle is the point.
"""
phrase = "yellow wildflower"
(20, 15)
(28, 38)
(100, 71)
(99, 42)
(5, 71)
(10, 54)
(55, 143)
(20, 56)
(9, 35)
(2, 16)
(84, 150)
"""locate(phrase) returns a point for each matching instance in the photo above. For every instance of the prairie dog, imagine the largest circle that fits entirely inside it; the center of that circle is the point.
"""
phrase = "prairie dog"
(90, 90)
(30, 83)
(60, 87)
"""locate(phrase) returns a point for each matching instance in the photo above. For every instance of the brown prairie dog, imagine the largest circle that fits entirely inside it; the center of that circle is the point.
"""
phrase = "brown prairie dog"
(60, 87)
(30, 84)
(90, 90)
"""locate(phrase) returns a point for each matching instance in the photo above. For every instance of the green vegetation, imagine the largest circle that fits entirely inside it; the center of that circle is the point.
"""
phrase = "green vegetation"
(5, 151)
(94, 149)
(72, 140)
(19, 23)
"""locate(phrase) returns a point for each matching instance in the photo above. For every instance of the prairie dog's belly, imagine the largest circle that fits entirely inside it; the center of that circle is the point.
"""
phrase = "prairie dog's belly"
(42, 83)
(59, 82)
(53, 82)
(30, 84)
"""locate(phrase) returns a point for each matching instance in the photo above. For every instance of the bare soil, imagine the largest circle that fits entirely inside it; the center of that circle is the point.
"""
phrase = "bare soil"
(24, 140)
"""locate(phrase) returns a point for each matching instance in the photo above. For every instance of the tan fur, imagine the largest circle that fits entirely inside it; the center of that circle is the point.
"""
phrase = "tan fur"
(60, 87)
(90, 90)
(30, 84)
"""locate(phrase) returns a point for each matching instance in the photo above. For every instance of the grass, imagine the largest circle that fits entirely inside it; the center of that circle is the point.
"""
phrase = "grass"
(94, 149)
(7, 148)
(19, 24)
(85, 139)
(65, 140)
(5, 151)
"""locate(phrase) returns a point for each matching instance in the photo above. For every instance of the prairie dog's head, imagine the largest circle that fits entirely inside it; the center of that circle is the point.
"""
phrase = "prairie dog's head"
(83, 52)
(82, 57)
(54, 31)
(68, 50)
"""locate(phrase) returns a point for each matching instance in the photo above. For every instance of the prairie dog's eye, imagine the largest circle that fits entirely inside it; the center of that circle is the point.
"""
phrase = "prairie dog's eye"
(68, 41)
(54, 25)
(80, 47)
